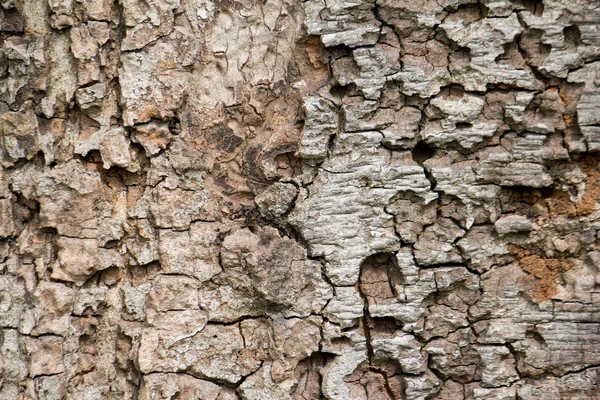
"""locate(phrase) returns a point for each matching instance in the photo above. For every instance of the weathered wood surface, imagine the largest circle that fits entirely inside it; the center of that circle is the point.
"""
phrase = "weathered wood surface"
(282, 199)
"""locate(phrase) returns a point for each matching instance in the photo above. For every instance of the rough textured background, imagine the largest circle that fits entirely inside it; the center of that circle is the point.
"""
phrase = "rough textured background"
(212, 199)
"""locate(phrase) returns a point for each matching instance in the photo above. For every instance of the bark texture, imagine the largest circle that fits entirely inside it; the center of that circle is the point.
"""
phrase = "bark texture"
(286, 199)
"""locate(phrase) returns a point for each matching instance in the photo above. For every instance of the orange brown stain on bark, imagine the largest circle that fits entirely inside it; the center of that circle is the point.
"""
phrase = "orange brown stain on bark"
(30, 31)
(314, 51)
(563, 96)
(561, 204)
(543, 270)
(568, 118)
(588, 201)
(309, 58)
(147, 112)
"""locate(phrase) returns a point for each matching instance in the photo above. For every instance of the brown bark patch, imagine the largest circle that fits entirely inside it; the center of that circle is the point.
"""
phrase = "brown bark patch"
(544, 270)
(560, 204)
(589, 166)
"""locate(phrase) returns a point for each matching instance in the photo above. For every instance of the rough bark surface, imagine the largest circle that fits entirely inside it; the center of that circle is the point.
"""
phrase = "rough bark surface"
(286, 199)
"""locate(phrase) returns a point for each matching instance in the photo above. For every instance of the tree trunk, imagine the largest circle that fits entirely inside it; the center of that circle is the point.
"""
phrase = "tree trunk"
(284, 199)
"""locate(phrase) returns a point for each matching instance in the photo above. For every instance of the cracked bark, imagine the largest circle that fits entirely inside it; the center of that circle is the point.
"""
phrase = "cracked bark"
(299, 200)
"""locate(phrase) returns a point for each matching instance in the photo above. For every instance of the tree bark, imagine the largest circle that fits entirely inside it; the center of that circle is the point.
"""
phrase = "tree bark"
(283, 199)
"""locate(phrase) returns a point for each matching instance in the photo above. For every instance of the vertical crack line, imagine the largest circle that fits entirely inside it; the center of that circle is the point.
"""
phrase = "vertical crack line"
(368, 324)
(366, 319)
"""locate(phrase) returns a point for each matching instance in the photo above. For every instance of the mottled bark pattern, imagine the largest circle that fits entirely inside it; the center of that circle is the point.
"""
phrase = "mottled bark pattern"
(285, 199)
